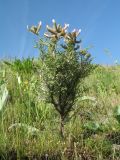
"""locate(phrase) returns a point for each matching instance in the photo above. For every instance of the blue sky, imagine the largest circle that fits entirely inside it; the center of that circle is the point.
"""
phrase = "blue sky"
(98, 19)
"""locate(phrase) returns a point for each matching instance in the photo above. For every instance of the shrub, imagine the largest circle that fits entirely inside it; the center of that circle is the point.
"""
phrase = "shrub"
(62, 66)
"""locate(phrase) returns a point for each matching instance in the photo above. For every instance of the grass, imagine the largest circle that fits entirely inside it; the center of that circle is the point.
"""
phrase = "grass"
(92, 134)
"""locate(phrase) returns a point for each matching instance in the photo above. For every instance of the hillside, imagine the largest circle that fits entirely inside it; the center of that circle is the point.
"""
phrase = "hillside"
(29, 126)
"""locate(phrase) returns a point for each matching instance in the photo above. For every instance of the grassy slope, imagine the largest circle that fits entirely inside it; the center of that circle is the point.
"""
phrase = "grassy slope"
(90, 135)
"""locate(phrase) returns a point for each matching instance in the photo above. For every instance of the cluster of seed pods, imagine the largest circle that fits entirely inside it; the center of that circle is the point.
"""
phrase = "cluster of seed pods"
(57, 32)
(35, 29)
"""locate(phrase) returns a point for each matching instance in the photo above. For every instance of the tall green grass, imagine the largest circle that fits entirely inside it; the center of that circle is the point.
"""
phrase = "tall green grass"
(29, 127)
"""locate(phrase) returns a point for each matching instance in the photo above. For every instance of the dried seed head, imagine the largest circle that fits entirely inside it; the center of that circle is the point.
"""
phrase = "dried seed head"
(66, 26)
(78, 32)
(53, 21)
(40, 23)
(35, 29)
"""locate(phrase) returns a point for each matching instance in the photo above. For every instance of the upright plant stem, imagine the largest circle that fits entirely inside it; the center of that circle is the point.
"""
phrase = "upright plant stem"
(62, 126)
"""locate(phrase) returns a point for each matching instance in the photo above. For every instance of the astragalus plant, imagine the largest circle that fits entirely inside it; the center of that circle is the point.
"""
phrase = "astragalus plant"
(63, 64)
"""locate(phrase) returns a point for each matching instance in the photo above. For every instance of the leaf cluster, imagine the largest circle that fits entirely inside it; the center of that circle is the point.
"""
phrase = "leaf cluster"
(62, 73)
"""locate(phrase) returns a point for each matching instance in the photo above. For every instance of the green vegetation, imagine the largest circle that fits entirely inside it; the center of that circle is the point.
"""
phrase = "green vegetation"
(29, 126)
(62, 69)
(30, 90)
